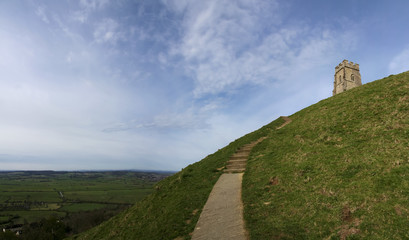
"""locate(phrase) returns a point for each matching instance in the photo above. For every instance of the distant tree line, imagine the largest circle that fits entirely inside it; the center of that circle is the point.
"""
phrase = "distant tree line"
(21, 205)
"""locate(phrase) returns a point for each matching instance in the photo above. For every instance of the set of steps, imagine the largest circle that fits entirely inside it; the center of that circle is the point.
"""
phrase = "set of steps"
(237, 162)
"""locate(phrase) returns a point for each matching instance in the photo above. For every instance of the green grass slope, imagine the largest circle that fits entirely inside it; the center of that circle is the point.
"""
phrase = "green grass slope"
(174, 208)
(340, 170)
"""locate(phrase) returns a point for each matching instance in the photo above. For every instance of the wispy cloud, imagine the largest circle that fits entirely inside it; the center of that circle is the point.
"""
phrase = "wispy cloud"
(400, 62)
(94, 4)
(87, 7)
(80, 16)
(228, 44)
(189, 119)
(41, 12)
(108, 31)
(160, 84)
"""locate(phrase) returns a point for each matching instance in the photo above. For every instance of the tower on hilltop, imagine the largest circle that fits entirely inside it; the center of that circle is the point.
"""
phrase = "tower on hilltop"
(346, 76)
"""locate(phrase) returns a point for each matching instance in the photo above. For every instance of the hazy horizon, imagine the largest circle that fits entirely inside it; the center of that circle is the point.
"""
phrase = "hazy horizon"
(93, 170)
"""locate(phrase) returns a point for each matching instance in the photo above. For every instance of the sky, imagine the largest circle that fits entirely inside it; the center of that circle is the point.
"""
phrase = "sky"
(161, 84)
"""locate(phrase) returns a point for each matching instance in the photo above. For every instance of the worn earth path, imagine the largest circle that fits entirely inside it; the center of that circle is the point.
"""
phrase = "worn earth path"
(286, 119)
(222, 215)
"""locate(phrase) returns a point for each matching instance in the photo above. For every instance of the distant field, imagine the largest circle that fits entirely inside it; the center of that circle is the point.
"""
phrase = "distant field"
(124, 196)
(18, 217)
(31, 196)
(77, 207)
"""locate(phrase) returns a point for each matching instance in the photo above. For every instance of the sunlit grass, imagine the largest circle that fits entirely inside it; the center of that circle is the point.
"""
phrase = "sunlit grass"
(342, 168)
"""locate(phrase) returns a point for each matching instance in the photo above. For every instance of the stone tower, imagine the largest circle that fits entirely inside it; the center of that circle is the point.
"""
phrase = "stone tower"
(346, 76)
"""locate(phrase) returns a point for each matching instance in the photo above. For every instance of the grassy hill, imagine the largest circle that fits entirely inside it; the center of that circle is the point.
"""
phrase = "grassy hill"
(339, 170)
(172, 211)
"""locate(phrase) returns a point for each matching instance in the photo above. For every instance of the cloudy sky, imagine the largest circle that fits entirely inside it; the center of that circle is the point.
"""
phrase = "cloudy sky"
(160, 84)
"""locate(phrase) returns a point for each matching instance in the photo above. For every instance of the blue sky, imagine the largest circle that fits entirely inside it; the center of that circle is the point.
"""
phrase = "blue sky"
(100, 84)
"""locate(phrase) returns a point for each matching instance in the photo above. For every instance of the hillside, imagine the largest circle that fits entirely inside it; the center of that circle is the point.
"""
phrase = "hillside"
(340, 169)
(174, 208)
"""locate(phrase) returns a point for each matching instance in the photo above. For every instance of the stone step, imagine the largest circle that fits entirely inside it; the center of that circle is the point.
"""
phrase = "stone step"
(247, 150)
(238, 165)
(238, 158)
(234, 170)
(240, 155)
(246, 147)
(234, 166)
(237, 161)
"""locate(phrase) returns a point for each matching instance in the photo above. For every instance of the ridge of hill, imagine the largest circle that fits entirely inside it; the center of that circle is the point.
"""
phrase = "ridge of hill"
(339, 170)
(172, 211)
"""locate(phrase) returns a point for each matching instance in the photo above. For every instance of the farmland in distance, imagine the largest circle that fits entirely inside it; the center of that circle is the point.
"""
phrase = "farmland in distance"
(28, 196)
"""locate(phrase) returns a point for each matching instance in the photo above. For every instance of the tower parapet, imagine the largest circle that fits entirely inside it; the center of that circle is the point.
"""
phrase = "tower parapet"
(346, 76)
(348, 64)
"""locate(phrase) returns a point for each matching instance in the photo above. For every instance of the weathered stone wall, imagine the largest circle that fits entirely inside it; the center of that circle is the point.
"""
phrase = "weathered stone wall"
(346, 76)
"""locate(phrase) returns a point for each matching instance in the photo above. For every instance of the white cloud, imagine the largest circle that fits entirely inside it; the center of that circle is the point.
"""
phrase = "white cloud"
(177, 5)
(93, 4)
(227, 44)
(53, 110)
(108, 31)
(80, 16)
(400, 62)
(87, 7)
(40, 11)
(192, 118)
(156, 90)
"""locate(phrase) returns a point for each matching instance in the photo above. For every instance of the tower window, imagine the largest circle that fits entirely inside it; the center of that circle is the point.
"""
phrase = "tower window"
(352, 77)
